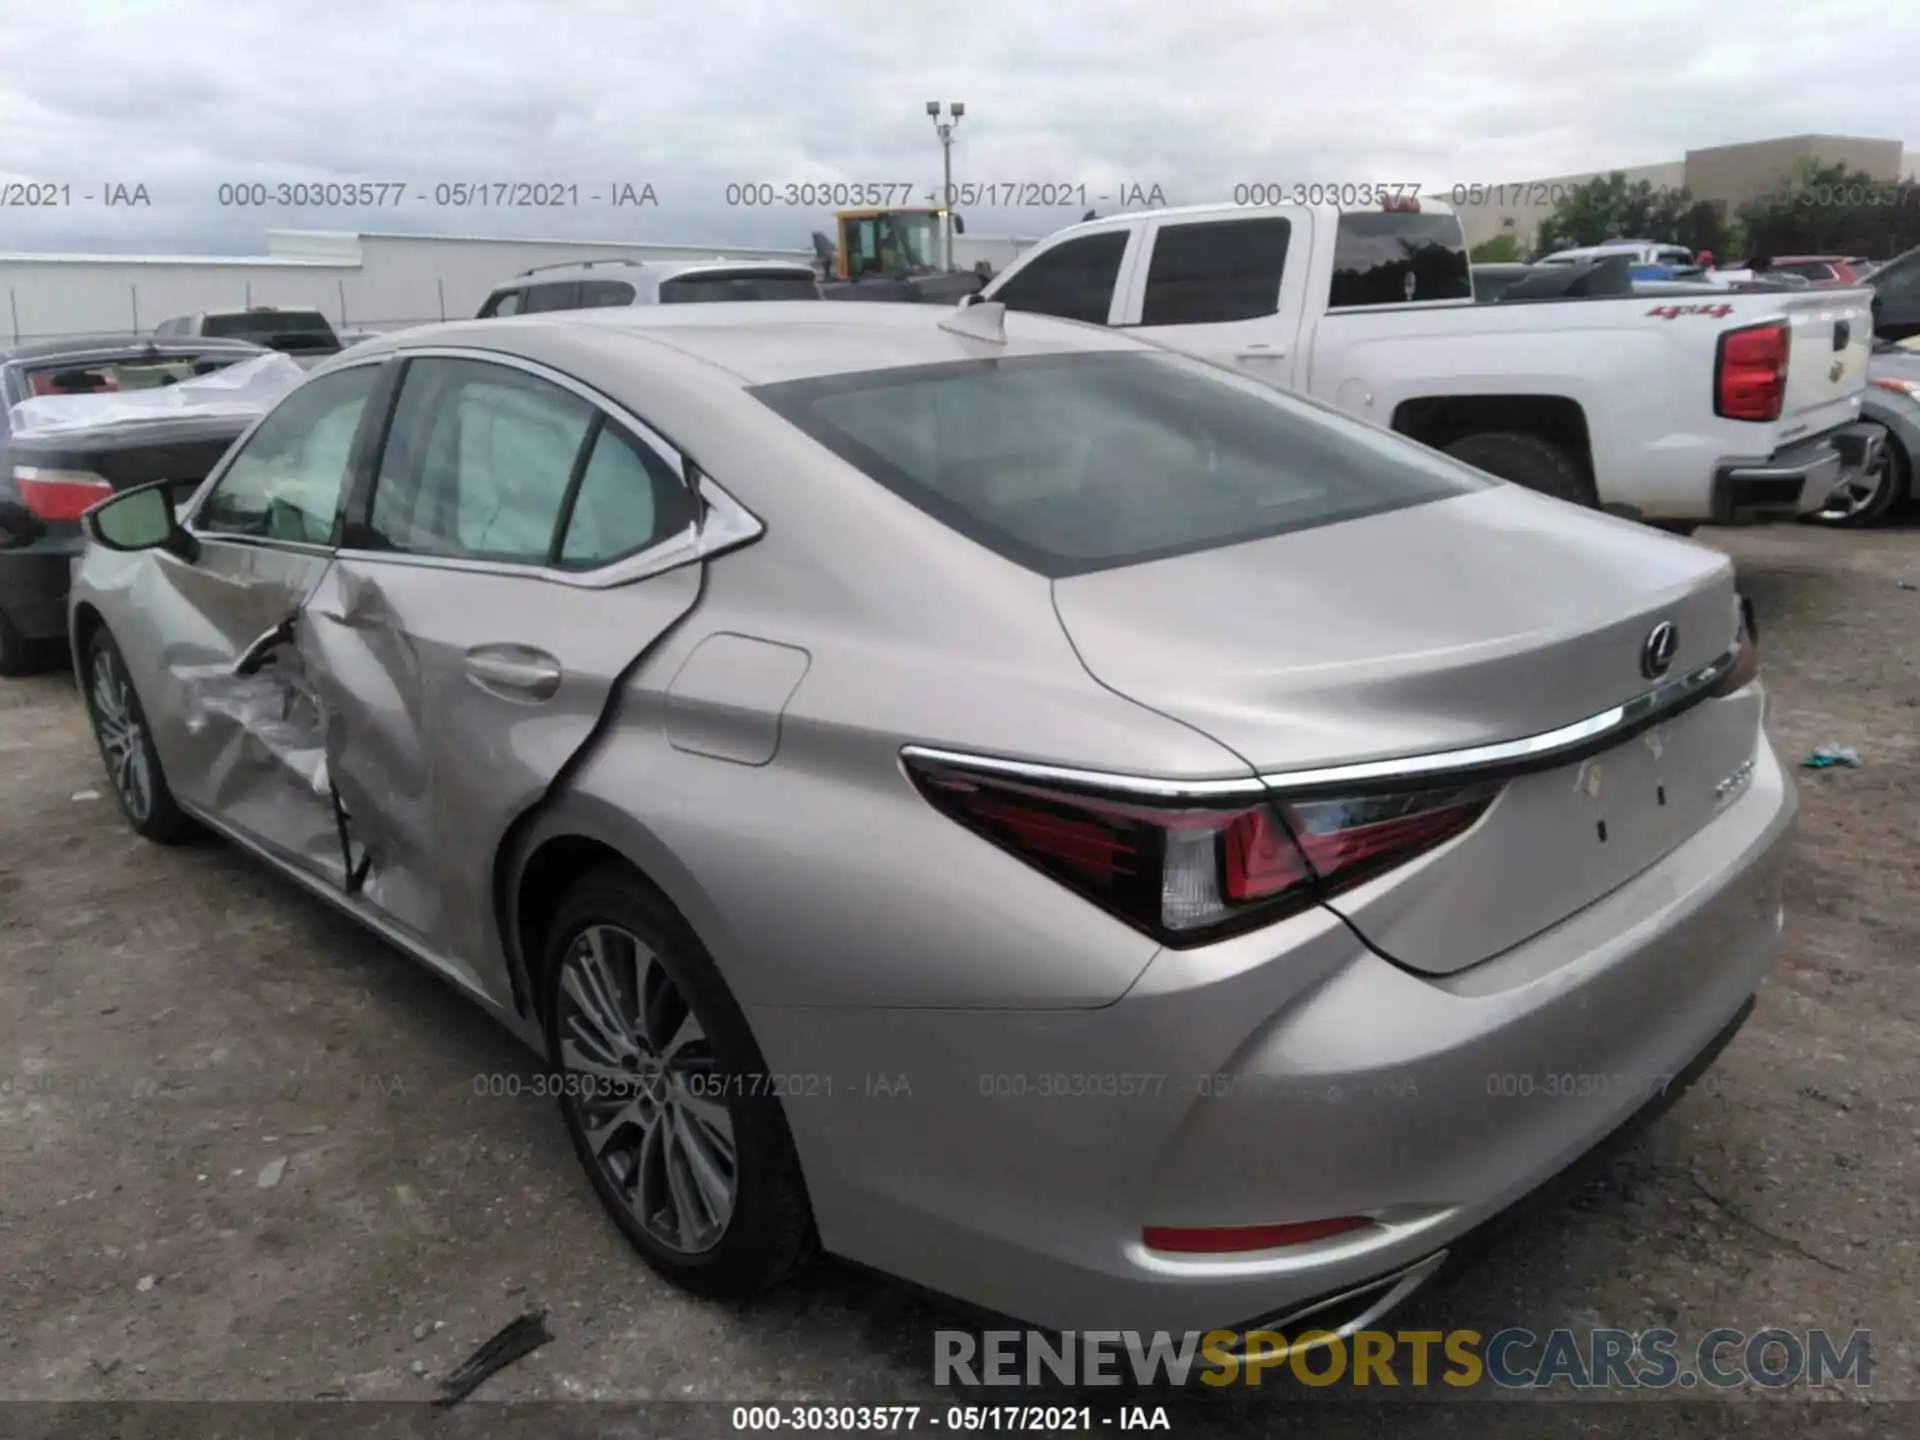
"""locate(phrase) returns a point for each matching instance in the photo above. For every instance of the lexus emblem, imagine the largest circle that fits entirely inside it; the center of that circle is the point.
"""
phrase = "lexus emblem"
(1658, 649)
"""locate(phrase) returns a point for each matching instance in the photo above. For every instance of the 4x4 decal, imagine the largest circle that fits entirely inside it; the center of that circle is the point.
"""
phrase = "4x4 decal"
(1673, 312)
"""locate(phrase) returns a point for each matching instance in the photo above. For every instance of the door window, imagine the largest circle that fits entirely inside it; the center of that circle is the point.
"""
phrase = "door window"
(507, 302)
(285, 483)
(477, 462)
(629, 499)
(1209, 272)
(1074, 280)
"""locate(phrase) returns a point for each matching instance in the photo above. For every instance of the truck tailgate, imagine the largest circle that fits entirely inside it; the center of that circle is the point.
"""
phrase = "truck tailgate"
(1831, 339)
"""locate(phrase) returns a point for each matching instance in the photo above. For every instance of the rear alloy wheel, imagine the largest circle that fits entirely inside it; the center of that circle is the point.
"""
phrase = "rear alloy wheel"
(1529, 461)
(126, 745)
(657, 1080)
(1871, 497)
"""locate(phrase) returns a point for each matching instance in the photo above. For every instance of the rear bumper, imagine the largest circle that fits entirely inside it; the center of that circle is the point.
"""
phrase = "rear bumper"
(1286, 1075)
(33, 587)
(1795, 480)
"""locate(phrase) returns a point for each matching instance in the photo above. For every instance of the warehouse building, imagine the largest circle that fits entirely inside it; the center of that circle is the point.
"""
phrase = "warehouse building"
(1725, 176)
(364, 281)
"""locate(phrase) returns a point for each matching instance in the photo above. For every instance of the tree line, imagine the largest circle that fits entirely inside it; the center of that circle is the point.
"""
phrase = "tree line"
(1818, 210)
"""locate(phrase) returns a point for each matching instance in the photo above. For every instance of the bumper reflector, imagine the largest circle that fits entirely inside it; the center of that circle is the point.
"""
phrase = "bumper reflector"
(1239, 1239)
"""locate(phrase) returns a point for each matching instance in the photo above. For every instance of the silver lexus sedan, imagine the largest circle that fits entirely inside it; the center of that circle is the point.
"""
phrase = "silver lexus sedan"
(972, 792)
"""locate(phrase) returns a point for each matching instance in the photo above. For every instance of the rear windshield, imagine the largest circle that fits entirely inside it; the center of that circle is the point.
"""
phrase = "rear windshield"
(108, 377)
(280, 329)
(742, 285)
(1398, 257)
(1071, 463)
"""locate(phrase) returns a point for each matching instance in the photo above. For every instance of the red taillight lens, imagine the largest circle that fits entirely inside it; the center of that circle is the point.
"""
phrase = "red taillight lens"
(1238, 1239)
(1406, 205)
(59, 494)
(1750, 373)
(1185, 874)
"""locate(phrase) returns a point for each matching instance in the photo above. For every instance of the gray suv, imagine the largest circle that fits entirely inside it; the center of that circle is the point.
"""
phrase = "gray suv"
(593, 284)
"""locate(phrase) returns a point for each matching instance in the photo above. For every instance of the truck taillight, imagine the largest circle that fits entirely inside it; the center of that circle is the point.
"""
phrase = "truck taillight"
(59, 494)
(1750, 372)
(1187, 874)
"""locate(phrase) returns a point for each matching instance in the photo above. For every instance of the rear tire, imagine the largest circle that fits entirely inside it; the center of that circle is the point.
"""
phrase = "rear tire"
(1529, 461)
(126, 747)
(666, 1095)
(1879, 493)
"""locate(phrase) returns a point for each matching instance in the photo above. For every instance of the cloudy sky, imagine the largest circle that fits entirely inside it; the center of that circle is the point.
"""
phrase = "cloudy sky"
(1193, 97)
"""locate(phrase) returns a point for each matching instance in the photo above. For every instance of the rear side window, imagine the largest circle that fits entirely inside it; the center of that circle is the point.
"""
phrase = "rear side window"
(1068, 464)
(710, 287)
(629, 498)
(1398, 257)
(599, 294)
(1073, 281)
(542, 298)
(267, 327)
(1209, 272)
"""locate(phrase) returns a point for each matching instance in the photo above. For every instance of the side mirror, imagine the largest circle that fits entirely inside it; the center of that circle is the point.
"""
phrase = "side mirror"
(141, 519)
(959, 224)
(967, 302)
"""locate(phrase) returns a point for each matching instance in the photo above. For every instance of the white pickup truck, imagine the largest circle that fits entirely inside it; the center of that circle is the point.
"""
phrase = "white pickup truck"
(1677, 409)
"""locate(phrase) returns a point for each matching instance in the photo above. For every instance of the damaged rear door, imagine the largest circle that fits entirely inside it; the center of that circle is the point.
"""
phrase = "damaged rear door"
(243, 734)
(518, 544)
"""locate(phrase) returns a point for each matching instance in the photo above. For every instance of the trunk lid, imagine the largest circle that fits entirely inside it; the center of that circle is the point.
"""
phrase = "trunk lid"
(1470, 621)
(1830, 342)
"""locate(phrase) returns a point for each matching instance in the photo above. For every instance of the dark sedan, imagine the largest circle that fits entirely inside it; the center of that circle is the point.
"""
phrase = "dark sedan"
(45, 486)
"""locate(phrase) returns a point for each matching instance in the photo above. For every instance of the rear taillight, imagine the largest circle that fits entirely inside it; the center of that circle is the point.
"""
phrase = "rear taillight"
(1750, 372)
(1187, 874)
(59, 494)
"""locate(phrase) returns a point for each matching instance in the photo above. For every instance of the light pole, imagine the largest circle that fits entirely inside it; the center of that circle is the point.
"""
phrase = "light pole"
(944, 129)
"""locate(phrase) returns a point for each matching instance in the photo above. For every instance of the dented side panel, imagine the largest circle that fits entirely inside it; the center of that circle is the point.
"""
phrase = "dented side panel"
(454, 696)
(246, 748)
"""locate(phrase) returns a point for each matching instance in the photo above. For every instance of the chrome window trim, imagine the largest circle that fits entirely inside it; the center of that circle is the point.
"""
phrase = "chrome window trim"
(1528, 752)
(722, 524)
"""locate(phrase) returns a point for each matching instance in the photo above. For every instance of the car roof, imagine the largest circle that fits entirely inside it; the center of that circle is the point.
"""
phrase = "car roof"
(656, 270)
(261, 310)
(107, 346)
(764, 342)
(1225, 208)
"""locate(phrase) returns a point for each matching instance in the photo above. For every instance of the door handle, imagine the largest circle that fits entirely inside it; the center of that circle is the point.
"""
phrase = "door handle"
(514, 672)
(1264, 352)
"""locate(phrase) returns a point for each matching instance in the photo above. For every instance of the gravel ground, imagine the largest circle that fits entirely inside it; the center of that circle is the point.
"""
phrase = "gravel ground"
(244, 1156)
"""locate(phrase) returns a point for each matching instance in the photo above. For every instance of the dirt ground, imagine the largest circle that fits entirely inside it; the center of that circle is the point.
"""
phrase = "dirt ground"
(244, 1152)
